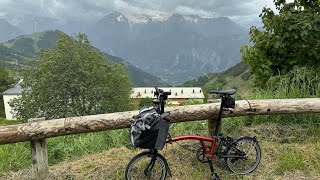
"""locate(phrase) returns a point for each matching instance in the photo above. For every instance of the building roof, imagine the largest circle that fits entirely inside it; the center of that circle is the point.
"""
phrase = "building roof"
(176, 92)
(15, 90)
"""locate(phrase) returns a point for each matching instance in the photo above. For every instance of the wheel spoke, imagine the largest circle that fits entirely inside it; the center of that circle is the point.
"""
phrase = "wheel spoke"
(138, 168)
(250, 160)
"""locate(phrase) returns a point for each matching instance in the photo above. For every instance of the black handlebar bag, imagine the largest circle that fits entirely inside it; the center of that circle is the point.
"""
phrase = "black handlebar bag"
(148, 130)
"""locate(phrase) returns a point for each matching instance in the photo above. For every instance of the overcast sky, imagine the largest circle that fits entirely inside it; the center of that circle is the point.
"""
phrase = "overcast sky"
(244, 12)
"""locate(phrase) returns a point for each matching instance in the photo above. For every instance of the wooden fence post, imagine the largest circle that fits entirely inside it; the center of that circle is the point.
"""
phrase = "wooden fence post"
(39, 154)
(212, 125)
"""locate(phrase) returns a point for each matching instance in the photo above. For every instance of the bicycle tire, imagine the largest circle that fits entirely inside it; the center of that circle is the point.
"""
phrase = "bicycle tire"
(240, 165)
(137, 165)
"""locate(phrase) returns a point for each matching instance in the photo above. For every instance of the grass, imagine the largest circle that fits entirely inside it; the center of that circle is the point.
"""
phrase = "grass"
(290, 160)
(296, 134)
(4, 122)
(14, 157)
(73, 146)
(299, 159)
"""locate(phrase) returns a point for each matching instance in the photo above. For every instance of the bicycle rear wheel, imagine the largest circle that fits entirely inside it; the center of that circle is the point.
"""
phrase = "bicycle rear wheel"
(141, 167)
(244, 157)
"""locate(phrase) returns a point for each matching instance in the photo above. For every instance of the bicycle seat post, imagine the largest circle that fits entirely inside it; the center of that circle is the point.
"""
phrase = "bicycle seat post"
(224, 96)
(220, 115)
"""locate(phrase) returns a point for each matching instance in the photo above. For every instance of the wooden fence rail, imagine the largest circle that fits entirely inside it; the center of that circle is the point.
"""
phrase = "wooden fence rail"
(36, 131)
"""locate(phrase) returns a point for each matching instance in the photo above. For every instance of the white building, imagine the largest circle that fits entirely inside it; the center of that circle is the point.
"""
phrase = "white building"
(8, 95)
(178, 94)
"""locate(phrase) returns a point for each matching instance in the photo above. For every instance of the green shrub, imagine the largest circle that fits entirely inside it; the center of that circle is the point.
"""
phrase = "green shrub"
(145, 102)
(300, 83)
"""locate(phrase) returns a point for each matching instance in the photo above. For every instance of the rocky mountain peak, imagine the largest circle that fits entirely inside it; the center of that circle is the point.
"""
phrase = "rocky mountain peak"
(8, 31)
(176, 18)
(115, 17)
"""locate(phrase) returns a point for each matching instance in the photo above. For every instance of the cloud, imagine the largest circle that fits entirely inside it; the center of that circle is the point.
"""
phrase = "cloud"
(243, 12)
(191, 11)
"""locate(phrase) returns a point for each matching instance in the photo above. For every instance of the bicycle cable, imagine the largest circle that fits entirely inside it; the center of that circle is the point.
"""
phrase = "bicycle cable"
(249, 105)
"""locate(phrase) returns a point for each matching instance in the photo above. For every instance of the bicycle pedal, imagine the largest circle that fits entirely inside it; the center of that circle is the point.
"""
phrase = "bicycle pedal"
(215, 176)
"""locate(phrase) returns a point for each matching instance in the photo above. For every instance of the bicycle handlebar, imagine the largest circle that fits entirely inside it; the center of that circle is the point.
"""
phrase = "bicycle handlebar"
(159, 93)
(166, 93)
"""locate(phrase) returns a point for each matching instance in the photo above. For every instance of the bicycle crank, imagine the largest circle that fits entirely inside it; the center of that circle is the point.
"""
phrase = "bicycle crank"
(201, 156)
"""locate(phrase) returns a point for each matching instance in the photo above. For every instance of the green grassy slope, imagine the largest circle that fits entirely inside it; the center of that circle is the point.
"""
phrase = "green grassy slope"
(30, 44)
(236, 77)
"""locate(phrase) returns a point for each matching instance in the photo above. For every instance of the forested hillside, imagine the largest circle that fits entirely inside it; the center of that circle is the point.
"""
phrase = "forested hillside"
(16, 51)
(11, 58)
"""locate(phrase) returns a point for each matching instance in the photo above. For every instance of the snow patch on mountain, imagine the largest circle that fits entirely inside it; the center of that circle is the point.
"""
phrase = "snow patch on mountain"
(120, 18)
(134, 20)
(193, 19)
(159, 17)
(145, 18)
(13, 19)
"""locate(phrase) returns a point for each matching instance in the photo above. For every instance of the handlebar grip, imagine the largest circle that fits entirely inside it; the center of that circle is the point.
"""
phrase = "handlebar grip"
(167, 93)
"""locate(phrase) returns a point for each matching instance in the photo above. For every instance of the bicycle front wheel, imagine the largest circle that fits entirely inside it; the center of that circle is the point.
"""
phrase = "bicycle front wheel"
(146, 166)
(244, 157)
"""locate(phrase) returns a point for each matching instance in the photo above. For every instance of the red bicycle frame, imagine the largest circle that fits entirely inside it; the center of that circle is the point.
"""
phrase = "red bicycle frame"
(202, 140)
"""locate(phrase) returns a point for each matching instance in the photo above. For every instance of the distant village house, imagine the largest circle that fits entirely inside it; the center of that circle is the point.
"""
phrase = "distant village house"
(178, 94)
(8, 95)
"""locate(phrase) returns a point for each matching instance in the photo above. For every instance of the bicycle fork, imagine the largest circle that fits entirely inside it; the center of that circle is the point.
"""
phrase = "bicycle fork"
(147, 171)
(214, 175)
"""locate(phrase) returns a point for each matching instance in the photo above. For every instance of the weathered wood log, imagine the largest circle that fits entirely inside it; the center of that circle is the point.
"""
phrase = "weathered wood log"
(85, 124)
(39, 155)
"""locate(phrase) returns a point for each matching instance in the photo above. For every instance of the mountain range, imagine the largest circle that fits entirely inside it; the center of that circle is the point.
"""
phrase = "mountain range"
(174, 47)
(14, 52)
(8, 31)
(29, 24)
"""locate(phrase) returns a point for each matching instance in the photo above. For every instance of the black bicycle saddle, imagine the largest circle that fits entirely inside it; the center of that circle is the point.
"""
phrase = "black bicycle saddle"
(225, 92)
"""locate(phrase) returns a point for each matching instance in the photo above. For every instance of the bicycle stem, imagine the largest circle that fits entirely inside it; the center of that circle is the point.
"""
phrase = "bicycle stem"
(162, 105)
